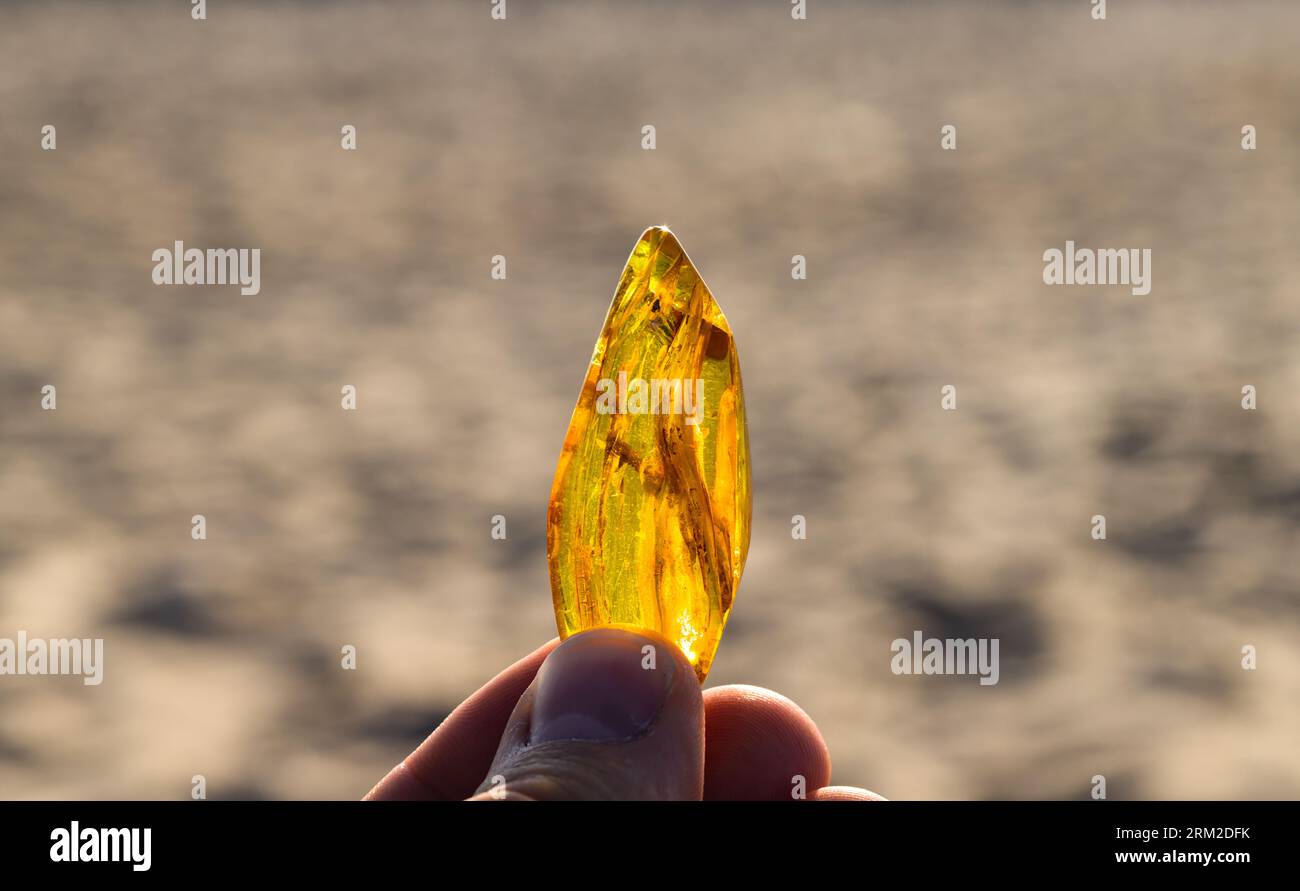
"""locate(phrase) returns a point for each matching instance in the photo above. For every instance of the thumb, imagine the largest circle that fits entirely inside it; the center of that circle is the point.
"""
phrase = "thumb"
(612, 714)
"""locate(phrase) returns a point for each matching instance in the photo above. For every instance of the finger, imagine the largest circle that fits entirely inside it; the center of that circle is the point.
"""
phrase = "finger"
(612, 714)
(760, 747)
(449, 764)
(845, 793)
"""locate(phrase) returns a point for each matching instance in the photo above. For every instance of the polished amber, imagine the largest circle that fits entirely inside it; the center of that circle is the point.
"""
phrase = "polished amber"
(650, 510)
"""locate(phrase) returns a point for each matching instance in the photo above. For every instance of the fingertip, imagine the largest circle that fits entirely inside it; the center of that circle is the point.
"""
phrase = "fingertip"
(760, 746)
(614, 713)
(607, 684)
(844, 793)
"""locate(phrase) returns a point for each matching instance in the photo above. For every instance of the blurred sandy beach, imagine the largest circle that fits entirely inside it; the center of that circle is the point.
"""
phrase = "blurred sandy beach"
(523, 138)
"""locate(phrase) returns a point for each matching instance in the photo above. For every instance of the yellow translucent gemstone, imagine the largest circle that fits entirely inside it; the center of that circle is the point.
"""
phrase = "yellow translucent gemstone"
(650, 510)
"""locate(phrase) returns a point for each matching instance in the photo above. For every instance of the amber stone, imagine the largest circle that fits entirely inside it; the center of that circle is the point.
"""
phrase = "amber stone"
(650, 510)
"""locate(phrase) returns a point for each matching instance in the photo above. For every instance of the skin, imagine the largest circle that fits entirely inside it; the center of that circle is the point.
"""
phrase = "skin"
(731, 743)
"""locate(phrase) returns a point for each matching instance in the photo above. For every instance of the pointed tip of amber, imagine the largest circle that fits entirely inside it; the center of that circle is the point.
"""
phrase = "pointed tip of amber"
(661, 241)
(662, 236)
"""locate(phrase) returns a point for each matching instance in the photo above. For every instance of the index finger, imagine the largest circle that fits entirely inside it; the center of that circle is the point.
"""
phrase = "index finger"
(453, 760)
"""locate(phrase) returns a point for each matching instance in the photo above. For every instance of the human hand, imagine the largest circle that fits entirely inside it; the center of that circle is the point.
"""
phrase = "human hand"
(587, 719)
